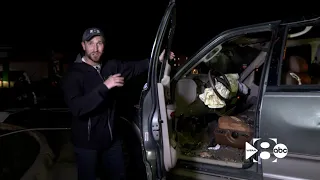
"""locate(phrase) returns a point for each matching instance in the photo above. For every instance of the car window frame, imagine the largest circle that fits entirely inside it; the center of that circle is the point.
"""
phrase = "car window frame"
(278, 87)
(220, 39)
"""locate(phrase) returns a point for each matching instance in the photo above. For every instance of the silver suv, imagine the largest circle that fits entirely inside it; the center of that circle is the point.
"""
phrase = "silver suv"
(278, 66)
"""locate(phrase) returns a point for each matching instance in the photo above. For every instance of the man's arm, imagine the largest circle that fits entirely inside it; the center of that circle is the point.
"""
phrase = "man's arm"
(135, 68)
(79, 103)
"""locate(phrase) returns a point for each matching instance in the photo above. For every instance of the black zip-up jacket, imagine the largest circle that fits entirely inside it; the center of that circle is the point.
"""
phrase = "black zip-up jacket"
(92, 104)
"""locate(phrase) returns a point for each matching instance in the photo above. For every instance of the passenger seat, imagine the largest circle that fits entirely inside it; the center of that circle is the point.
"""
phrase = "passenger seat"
(298, 71)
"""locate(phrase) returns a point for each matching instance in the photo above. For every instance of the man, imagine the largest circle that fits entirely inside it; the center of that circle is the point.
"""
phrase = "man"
(91, 93)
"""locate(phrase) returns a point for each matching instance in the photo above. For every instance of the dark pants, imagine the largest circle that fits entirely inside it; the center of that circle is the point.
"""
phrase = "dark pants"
(110, 162)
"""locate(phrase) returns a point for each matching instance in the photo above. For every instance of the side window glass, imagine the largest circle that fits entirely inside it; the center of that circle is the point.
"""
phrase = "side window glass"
(300, 60)
(237, 55)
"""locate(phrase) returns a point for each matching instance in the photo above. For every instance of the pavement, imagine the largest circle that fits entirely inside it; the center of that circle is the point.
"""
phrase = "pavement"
(65, 167)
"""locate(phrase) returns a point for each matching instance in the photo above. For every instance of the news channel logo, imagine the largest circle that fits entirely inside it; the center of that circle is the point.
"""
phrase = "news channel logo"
(279, 150)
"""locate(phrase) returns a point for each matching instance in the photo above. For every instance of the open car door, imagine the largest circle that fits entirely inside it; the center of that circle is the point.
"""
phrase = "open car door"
(159, 154)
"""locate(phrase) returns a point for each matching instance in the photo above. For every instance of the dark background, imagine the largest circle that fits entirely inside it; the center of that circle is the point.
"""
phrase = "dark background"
(130, 26)
(35, 29)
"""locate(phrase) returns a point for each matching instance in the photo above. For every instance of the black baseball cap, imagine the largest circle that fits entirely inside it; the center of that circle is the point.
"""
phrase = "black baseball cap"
(90, 33)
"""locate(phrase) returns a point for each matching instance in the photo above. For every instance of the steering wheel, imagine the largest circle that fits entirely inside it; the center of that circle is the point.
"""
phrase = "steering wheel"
(215, 76)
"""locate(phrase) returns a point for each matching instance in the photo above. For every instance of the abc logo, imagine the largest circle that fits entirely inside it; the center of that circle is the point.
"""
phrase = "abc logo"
(280, 150)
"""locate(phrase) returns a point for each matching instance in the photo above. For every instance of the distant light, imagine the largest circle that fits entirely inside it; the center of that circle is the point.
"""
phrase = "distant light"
(195, 71)
(5, 84)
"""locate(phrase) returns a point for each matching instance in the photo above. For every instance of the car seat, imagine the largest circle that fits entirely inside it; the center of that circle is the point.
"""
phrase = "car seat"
(297, 73)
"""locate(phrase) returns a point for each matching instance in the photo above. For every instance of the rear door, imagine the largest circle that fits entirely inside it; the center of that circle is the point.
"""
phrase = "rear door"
(153, 124)
(290, 112)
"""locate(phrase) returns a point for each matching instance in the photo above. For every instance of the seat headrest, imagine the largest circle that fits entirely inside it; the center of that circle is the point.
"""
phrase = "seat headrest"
(298, 64)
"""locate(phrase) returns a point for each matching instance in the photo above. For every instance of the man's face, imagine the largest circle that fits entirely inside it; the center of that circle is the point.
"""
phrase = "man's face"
(94, 48)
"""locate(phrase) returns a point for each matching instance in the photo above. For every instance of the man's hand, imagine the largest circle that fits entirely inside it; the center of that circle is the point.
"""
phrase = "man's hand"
(161, 57)
(114, 81)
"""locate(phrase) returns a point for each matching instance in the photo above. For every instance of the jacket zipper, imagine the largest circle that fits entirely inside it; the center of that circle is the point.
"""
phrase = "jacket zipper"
(89, 129)
(109, 126)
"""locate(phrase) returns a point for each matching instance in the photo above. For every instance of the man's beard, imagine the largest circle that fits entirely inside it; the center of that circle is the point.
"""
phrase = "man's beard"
(94, 56)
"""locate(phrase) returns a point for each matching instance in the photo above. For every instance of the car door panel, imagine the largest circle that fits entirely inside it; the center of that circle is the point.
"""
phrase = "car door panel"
(148, 139)
(292, 167)
(293, 114)
(152, 126)
(293, 118)
(169, 151)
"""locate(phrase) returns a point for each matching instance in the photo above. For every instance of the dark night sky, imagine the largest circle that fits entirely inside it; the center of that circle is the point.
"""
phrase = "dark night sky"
(130, 26)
